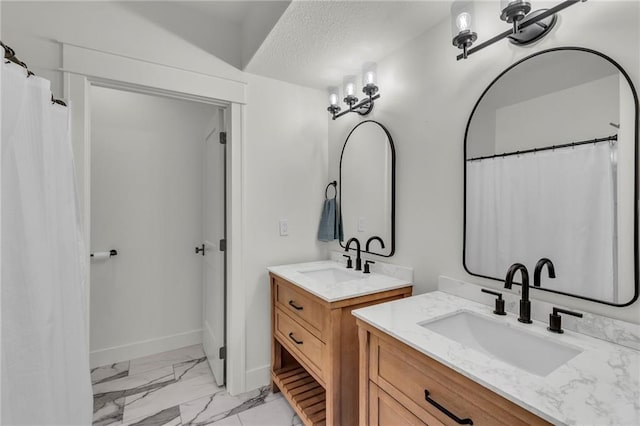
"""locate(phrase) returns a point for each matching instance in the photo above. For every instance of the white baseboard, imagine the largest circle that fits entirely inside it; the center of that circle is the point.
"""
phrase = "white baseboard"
(143, 348)
(257, 377)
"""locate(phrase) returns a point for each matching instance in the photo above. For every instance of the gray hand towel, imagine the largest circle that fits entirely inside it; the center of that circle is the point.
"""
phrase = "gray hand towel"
(330, 224)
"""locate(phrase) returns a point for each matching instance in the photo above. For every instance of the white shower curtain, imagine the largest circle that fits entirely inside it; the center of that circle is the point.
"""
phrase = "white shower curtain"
(45, 361)
(556, 204)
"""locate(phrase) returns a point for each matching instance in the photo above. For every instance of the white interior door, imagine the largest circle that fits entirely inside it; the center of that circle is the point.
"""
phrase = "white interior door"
(214, 258)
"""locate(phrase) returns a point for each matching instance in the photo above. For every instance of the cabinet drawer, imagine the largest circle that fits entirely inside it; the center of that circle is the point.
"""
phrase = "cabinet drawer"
(300, 341)
(386, 411)
(301, 306)
(429, 389)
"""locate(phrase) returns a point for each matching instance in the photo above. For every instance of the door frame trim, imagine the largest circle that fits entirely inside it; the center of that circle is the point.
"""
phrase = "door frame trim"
(82, 68)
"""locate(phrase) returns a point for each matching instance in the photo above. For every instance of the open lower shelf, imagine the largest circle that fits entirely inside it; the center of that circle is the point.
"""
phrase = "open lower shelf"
(306, 395)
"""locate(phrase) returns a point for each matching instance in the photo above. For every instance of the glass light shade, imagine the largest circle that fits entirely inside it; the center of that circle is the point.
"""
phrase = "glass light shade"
(369, 74)
(349, 84)
(334, 96)
(462, 17)
(463, 21)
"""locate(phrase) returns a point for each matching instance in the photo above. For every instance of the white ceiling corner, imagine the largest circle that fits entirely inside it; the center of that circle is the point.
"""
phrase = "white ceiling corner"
(249, 22)
(234, 11)
(316, 43)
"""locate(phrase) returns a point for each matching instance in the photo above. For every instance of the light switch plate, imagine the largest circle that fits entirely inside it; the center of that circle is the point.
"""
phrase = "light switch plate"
(284, 227)
(362, 224)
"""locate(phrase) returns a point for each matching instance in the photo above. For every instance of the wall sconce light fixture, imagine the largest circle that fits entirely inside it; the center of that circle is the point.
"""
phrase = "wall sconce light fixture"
(369, 88)
(462, 14)
(528, 26)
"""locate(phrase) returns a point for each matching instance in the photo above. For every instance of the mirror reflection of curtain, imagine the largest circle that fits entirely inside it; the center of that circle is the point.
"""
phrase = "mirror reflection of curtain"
(555, 203)
(45, 359)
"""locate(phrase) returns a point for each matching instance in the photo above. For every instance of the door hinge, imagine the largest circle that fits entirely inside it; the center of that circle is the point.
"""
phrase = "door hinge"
(222, 353)
(223, 245)
(223, 138)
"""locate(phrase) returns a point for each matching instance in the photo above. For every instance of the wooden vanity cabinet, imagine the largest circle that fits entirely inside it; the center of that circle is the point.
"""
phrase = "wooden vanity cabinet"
(314, 351)
(399, 385)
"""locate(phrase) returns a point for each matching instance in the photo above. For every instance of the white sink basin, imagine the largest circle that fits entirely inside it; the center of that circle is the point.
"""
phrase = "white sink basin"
(332, 275)
(500, 340)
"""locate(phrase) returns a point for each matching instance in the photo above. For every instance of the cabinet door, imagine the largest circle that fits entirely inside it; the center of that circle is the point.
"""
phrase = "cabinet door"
(410, 377)
(386, 411)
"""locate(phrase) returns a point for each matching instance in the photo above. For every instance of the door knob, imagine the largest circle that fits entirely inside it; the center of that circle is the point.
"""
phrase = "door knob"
(200, 249)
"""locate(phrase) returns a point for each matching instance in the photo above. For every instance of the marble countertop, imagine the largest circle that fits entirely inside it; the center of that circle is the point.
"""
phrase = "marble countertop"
(599, 386)
(360, 285)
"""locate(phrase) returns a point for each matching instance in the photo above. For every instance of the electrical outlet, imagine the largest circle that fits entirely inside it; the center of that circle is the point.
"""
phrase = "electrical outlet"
(362, 224)
(284, 227)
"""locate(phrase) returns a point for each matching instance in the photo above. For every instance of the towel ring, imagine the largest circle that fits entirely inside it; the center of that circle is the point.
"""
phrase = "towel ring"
(335, 187)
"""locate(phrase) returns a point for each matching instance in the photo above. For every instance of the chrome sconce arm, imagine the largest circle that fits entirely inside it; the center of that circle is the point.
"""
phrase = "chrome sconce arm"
(363, 107)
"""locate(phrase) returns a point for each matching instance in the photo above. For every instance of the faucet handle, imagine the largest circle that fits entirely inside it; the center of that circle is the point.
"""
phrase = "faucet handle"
(555, 320)
(366, 266)
(349, 262)
(499, 310)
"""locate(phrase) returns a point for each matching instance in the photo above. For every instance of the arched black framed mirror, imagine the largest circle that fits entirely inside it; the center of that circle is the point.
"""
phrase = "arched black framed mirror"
(367, 187)
(550, 154)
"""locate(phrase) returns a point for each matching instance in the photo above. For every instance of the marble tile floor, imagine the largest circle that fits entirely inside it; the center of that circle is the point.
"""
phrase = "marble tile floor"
(177, 388)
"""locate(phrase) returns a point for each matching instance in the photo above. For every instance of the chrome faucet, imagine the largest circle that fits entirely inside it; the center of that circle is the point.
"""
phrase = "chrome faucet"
(374, 238)
(538, 271)
(525, 304)
(358, 258)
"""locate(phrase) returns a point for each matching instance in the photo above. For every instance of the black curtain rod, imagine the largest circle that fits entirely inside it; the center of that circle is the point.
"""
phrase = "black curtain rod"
(10, 56)
(547, 148)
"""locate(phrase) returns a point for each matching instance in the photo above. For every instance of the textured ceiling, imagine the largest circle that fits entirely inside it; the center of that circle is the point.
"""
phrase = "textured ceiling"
(316, 43)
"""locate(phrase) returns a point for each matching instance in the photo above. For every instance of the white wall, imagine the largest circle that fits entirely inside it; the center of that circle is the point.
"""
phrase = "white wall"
(427, 97)
(146, 202)
(285, 175)
(35, 30)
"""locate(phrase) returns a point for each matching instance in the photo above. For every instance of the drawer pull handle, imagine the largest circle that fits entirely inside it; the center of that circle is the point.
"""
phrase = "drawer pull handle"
(296, 307)
(452, 416)
(298, 342)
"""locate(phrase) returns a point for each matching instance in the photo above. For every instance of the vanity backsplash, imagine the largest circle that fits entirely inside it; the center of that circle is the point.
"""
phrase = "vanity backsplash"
(620, 332)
